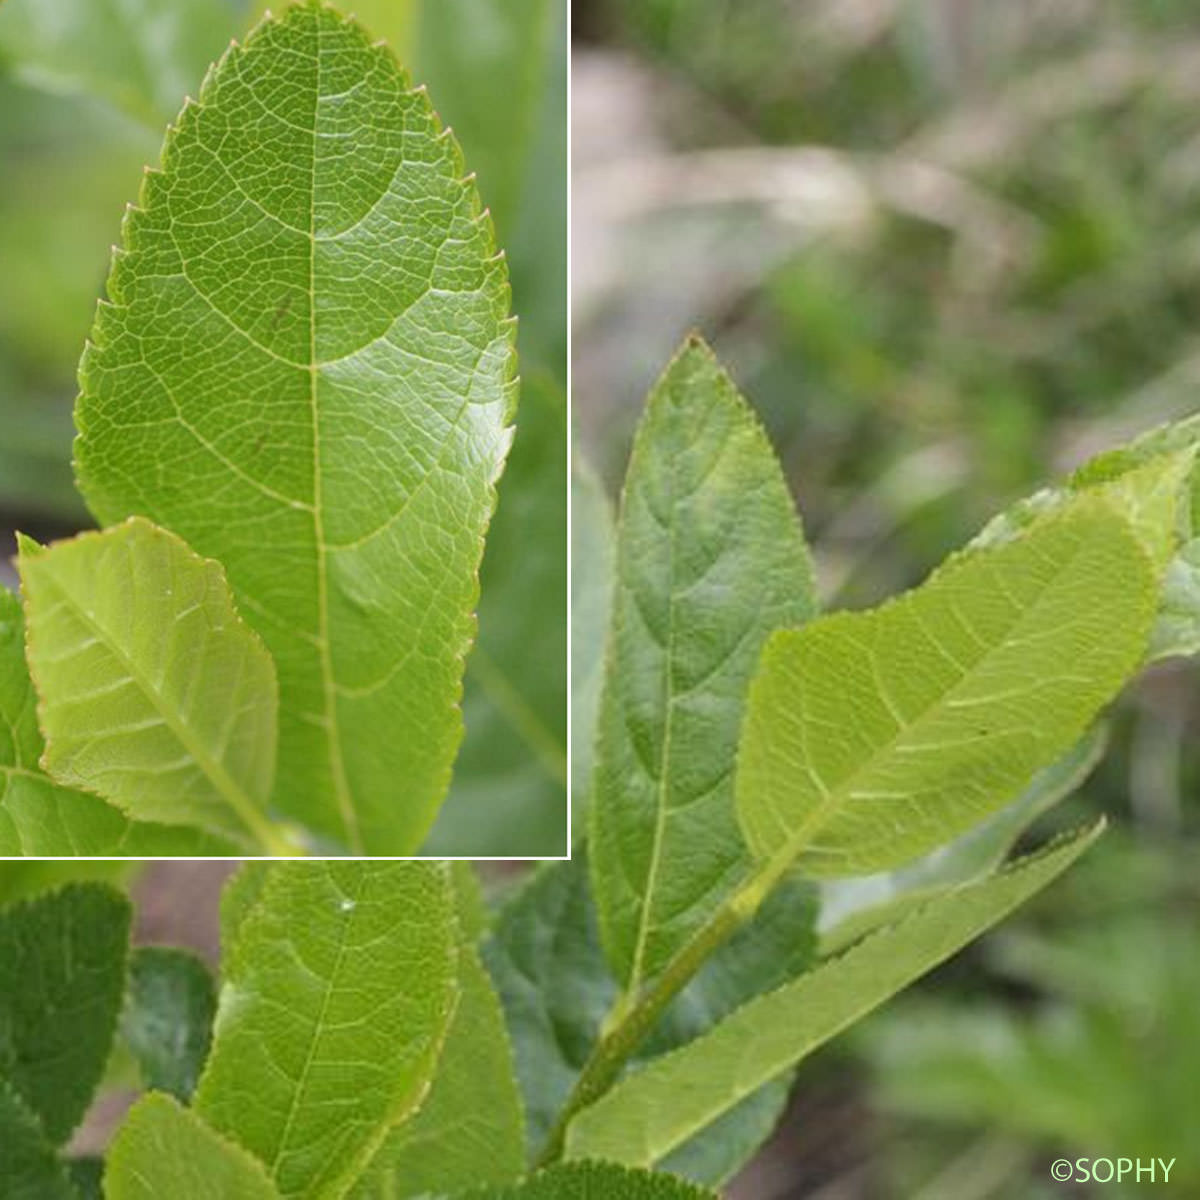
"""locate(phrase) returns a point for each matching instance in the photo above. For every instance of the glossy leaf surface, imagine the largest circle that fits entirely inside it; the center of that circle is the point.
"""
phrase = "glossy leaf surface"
(509, 793)
(306, 370)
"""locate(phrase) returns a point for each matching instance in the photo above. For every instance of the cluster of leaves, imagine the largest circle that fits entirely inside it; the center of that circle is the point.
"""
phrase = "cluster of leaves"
(916, 370)
(792, 817)
(357, 1050)
(305, 373)
(841, 786)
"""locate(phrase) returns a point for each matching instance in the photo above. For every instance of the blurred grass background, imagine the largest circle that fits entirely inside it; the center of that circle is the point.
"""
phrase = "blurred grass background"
(949, 248)
(86, 92)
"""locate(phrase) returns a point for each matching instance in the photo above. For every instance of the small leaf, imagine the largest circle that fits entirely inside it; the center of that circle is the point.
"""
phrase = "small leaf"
(306, 371)
(331, 1017)
(592, 537)
(596, 1181)
(37, 816)
(164, 1149)
(168, 1017)
(873, 737)
(645, 1116)
(62, 976)
(852, 907)
(710, 559)
(469, 1130)
(29, 1167)
(545, 957)
(153, 692)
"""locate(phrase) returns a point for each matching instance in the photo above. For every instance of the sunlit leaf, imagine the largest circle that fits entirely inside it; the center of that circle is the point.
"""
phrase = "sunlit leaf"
(305, 370)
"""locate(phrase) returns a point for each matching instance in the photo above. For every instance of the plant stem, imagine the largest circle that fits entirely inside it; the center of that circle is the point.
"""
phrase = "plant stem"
(631, 1022)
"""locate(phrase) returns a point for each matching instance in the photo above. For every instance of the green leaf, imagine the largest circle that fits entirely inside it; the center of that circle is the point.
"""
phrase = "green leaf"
(62, 977)
(645, 1116)
(591, 608)
(141, 58)
(471, 904)
(1172, 450)
(469, 1130)
(873, 737)
(37, 816)
(331, 1017)
(546, 960)
(239, 895)
(164, 1149)
(87, 1177)
(509, 794)
(22, 879)
(710, 559)
(153, 692)
(29, 1167)
(596, 1181)
(307, 372)
(851, 907)
(168, 1017)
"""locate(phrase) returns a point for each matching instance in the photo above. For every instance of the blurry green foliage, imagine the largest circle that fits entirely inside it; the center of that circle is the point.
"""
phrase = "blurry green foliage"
(1110, 973)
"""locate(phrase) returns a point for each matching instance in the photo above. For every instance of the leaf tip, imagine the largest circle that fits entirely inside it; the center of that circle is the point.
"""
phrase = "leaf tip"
(28, 547)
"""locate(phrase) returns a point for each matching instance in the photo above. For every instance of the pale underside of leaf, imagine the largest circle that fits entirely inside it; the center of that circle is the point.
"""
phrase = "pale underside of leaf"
(153, 694)
(710, 559)
(873, 737)
(852, 907)
(306, 370)
(1170, 450)
(654, 1110)
(331, 1016)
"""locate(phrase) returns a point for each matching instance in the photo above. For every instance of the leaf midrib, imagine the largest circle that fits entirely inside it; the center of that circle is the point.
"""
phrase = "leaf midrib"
(663, 789)
(348, 916)
(337, 765)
